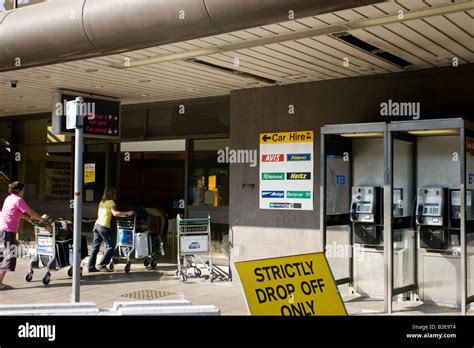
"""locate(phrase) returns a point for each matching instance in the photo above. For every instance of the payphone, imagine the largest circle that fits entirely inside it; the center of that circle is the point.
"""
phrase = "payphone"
(431, 217)
(455, 216)
(366, 215)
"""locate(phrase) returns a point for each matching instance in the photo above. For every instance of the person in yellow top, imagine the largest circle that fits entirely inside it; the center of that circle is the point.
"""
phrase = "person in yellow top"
(103, 231)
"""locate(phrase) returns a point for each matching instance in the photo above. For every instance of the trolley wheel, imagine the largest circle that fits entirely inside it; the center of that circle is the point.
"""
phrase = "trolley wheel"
(80, 274)
(214, 276)
(183, 278)
(111, 266)
(146, 263)
(153, 263)
(69, 272)
(127, 267)
(29, 277)
(46, 279)
(177, 274)
(196, 272)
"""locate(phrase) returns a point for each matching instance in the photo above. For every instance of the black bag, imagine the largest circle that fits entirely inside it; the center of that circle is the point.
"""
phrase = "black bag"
(62, 253)
(84, 251)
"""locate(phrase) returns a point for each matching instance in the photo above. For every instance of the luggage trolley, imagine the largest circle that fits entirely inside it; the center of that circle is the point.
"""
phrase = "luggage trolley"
(52, 253)
(134, 243)
(194, 238)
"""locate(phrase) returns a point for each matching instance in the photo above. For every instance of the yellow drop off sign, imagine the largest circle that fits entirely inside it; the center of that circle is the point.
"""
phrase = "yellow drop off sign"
(300, 285)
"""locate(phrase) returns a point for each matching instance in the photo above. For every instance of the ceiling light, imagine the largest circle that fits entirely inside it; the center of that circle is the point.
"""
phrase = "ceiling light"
(433, 132)
(167, 58)
(31, 107)
(91, 70)
(42, 77)
(362, 135)
(99, 87)
(144, 81)
(144, 95)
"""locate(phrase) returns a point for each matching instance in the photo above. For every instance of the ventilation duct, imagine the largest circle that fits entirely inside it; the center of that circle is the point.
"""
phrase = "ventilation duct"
(56, 31)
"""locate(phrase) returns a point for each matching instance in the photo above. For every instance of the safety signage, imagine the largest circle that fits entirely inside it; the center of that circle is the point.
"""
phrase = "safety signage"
(286, 170)
(89, 173)
(300, 285)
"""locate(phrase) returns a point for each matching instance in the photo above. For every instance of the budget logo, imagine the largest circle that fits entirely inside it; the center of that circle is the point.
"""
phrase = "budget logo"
(298, 176)
(298, 157)
(273, 176)
(273, 158)
(273, 194)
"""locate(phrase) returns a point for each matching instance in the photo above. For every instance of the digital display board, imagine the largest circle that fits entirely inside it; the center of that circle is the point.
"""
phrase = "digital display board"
(102, 116)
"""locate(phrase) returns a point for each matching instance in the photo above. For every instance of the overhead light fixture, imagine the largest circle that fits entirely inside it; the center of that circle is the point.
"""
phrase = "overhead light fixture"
(91, 70)
(144, 81)
(144, 95)
(433, 132)
(168, 58)
(362, 135)
(232, 71)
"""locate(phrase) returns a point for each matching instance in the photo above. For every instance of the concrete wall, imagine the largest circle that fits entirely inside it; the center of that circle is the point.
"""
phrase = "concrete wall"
(443, 93)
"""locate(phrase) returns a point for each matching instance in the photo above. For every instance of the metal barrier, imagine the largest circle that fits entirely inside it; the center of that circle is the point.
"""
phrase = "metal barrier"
(67, 309)
(135, 308)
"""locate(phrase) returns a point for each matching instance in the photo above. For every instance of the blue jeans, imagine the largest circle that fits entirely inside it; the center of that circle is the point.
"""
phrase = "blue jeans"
(102, 233)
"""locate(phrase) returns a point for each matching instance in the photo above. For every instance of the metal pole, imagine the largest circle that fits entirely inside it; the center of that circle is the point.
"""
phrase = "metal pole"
(387, 223)
(322, 193)
(463, 279)
(76, 278)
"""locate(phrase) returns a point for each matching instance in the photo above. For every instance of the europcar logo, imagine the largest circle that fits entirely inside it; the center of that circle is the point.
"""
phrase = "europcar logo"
(298, 157)
(273, 194)
(273, 158)
(298, 176)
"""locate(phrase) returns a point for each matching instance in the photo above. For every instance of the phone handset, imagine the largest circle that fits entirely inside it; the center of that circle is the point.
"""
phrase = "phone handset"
(353, 215)
(419, 215)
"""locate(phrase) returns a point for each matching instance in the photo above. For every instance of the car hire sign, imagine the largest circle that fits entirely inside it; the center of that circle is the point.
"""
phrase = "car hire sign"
(286, 170)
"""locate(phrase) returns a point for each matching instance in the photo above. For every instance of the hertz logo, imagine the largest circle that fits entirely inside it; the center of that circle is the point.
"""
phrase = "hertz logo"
(298, 176)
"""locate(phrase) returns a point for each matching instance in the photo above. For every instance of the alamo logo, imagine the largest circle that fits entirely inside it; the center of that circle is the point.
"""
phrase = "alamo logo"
(37, 331)
(298, 176)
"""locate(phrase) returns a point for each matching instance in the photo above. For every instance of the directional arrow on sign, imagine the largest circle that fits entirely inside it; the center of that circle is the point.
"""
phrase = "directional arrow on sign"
(266, 137)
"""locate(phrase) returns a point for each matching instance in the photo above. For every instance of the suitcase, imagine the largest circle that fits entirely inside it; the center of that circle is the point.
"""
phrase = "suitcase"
(62, 255)
(142, 245)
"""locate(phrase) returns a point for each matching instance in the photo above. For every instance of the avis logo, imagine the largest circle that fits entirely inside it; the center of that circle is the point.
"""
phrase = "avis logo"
(273, 158)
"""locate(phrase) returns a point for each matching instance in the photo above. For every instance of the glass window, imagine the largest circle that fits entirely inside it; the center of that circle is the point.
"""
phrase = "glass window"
(208, 180)
(5, 157)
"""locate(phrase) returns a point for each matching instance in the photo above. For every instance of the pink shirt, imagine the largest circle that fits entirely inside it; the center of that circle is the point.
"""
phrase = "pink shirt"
(13, 207)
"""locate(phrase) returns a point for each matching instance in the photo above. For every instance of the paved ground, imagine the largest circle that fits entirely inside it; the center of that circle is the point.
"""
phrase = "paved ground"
(141, 283)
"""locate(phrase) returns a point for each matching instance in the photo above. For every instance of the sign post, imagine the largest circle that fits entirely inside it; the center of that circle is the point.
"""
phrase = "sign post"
(75, 120)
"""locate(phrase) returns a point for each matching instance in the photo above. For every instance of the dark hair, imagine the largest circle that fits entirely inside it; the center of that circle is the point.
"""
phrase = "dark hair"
(109, 194)
(15, 187)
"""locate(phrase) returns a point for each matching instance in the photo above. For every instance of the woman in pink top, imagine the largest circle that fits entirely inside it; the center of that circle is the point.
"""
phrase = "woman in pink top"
(14, 208)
